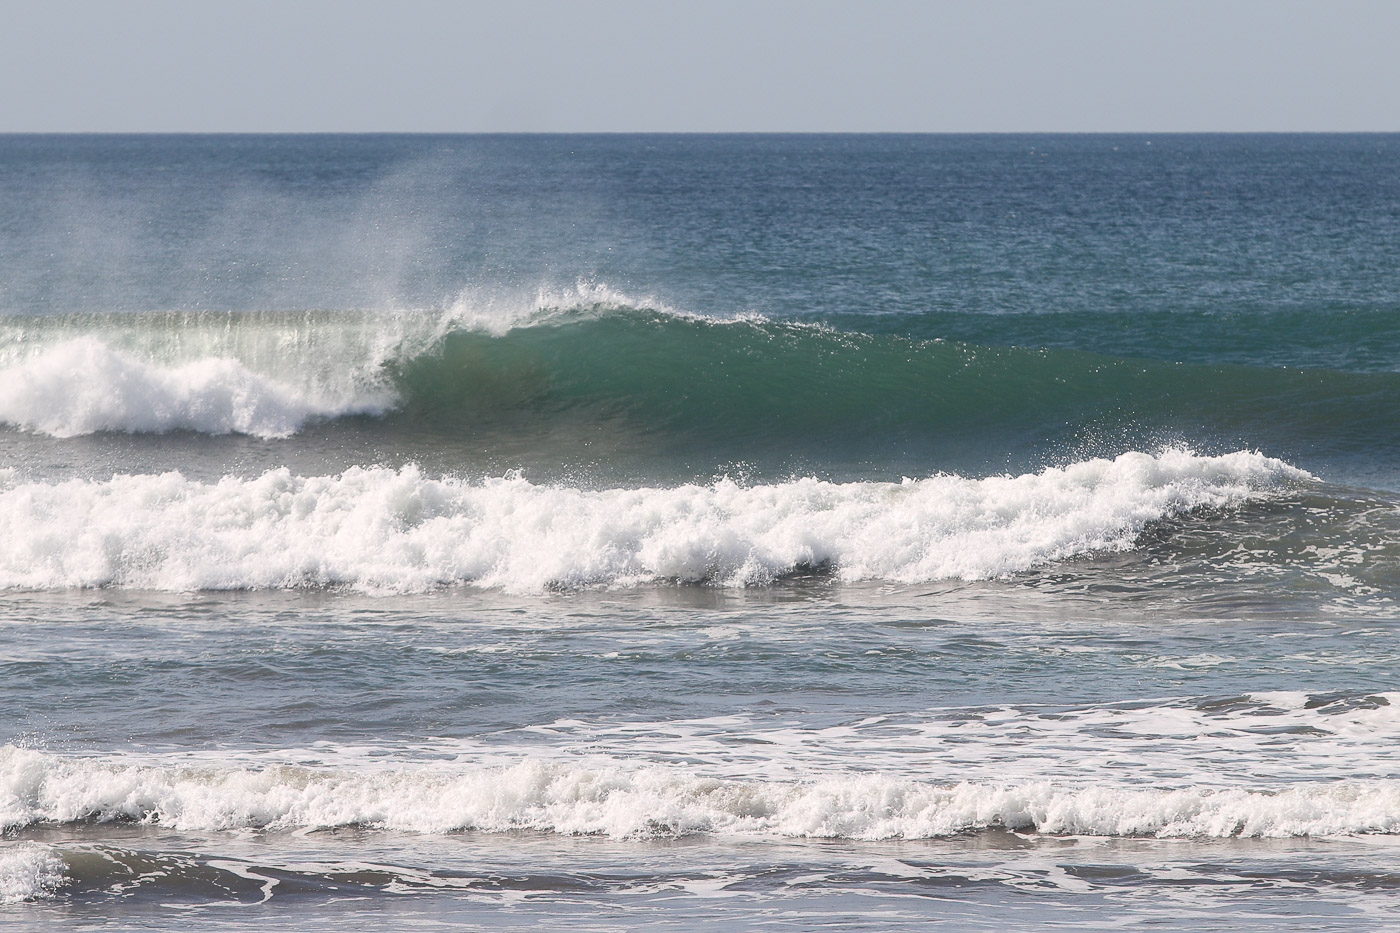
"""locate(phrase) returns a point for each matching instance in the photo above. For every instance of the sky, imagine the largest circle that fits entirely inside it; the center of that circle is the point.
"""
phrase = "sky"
(712, 66)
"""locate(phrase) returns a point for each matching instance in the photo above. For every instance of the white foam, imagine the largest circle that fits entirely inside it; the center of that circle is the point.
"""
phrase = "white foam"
(28, 872)
(499, 312)
(1221, 744)
(265, 374)
(382, 530)
(627, 801)
(82, 385)
(1171, 741)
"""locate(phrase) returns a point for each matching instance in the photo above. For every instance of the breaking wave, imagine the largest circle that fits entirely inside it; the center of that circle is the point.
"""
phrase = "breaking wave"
(490, 370)
(28, 872)
(385, 530)
(83, 386)
(628, 801)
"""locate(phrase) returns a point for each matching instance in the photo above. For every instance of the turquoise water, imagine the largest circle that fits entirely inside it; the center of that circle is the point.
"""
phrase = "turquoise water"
(625, 531)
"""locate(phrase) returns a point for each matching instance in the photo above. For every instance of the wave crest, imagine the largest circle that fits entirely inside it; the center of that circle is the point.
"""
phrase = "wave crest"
(593, 360)
(631, 802)
(82, 386)
(28, 871)
(383, 530)
(265, 374)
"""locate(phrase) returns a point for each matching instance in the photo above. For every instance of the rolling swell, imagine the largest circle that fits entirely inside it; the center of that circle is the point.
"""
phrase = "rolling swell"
(1320, 336)
(740, 385)
(721, 390)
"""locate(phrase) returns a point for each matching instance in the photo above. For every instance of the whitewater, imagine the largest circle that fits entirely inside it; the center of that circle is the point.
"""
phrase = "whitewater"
(627, 532)
(649, 802)
(397, 531)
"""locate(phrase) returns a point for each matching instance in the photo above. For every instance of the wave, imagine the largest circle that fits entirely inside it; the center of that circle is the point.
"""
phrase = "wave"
(1202, 741)
(83, 386)
(179, 877)
(729, 387)
(1337, 336)
(629, 801)
(265, 374)
(385, 530)
(28, 872)
(260, 374)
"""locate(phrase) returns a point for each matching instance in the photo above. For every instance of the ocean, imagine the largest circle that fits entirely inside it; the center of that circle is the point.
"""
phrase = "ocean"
(625, 532)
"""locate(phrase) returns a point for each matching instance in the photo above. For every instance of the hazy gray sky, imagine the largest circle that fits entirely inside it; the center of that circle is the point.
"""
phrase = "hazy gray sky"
(719, 65)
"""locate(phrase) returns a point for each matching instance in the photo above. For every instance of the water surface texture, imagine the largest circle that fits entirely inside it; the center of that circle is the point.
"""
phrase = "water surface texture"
(679, 532)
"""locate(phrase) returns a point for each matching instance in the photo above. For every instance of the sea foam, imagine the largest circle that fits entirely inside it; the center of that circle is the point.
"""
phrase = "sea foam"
(629, 801)
(265, 374)
(82, 385)
(384, 530)
(28, 872)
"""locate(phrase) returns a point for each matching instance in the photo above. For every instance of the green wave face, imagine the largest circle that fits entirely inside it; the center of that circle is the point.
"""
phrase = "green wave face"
(589, 382)
(1321, 336)
(757, 385)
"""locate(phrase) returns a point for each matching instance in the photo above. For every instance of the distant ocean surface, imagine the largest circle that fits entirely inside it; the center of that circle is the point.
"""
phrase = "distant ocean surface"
(700, 532)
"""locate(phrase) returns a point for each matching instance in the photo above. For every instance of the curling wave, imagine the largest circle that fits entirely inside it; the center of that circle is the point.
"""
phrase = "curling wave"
(266, 374)
(565, 365)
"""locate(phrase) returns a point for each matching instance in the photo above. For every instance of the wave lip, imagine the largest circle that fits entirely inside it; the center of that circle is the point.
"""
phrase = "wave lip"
(399, 531)
(731, 387)
(265, 374)
(653, 801)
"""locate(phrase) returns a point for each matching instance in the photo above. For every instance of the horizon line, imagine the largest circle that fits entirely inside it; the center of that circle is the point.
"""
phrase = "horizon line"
(700, 132)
